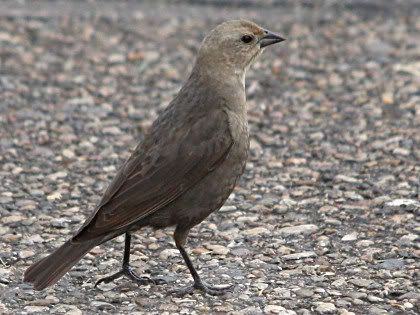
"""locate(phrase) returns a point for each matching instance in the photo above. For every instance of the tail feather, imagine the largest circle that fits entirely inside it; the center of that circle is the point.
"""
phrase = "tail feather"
(50, 269)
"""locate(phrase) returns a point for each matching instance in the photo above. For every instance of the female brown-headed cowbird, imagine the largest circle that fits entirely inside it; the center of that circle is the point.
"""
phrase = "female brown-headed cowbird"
(186, 166)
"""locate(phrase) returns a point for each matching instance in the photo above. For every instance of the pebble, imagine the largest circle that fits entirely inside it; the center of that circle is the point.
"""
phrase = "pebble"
(74, 311)
(169, 307)
(362, 283)
(365, 243)
(350, 237)
(325, 308)
(55, 176)
(298, 229)
(391, 264)
(301, 255)
(373, 310)
(26, 254)
(217, 249)
(346, 179)
(256, 231)
(68, 153)
(168, 253)
(403, 203)
(54, 196)
(374, 299)
(12, 219)
(36, 309)
(304, 292)
(277, 309)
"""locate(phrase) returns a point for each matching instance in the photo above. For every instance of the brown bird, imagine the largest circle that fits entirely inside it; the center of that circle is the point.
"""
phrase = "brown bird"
(186, 166)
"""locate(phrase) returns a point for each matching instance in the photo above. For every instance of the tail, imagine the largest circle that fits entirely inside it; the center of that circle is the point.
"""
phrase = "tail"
(50, 269)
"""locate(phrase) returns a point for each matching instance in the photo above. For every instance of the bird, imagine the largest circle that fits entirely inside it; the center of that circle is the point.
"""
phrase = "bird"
(186, 166)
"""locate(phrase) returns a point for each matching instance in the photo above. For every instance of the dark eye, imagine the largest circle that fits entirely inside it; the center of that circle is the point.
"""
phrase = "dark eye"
(247, 38)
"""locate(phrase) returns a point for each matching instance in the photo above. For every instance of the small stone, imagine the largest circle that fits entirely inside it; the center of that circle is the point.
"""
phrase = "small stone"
(256, 231)
(301, 255)
(284, 250)
(374, 299)
(68, 153)
(5, 199)
(217, 249)
(36, 309)
(364, 243)
(45, 302)
(74, 311)
(325, 308)
(362, 283)
(78, 101)
(169, 307)
(410, 296)
(36, 192)
(13, 219)
(392, 264)
(153, 246)
(3, 309)
(116, 58)
(167, 253)
(341, 282)
(408, 305)
(54, 196)
(26, 204)
(241, 251)
(277, 309)
(304, 292)
(377, 311)
(111, 130)
(200, 251)
(350, 237)
(17, 170)
(408, 239)
(402, 203)
(283, 293)
(346, 179)
(298, 229)
(26, 253)
(388, 98)
(228, 209)
(401, 151)
(57, 175)
(261, 285)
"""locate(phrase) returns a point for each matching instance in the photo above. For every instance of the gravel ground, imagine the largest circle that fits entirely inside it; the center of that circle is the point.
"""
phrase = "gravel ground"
(322, 222)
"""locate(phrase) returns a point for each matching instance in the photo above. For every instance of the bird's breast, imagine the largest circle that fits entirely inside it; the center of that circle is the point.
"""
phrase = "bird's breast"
(238, 126)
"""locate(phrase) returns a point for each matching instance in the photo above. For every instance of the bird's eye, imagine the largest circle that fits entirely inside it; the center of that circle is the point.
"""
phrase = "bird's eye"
(247, 38)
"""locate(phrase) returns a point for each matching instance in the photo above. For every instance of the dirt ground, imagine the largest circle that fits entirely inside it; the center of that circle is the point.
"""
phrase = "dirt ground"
(325, 218)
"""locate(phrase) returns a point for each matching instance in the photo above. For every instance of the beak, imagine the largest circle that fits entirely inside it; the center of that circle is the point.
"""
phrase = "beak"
(270, 38)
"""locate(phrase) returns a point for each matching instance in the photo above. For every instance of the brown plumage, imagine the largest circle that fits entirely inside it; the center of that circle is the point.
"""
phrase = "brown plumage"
(186, 166)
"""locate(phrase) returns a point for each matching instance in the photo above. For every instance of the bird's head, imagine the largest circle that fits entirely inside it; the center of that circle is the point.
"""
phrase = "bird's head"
(235, 45)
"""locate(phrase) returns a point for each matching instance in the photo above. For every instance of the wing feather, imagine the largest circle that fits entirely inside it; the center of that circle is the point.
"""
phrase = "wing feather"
(156, 175)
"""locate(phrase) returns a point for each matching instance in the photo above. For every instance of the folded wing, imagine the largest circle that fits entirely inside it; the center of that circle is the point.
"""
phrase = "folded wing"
(159, 172)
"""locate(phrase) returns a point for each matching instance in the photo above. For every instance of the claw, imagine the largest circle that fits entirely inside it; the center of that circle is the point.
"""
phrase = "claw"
(128, 271)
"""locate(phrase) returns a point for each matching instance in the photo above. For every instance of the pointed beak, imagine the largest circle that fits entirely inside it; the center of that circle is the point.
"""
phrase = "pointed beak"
(270, 38)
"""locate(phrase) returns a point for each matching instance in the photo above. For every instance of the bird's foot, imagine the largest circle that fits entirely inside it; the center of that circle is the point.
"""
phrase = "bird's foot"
(128, 271)
(203, 287)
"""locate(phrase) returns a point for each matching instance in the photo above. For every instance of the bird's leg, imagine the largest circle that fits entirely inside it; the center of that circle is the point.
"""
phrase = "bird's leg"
(127, 270)
(180, 239)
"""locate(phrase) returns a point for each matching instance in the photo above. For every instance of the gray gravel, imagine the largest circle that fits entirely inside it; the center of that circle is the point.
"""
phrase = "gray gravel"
(324, 219)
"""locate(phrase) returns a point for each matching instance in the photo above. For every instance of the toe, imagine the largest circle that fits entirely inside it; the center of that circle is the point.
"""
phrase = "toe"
(159, 281)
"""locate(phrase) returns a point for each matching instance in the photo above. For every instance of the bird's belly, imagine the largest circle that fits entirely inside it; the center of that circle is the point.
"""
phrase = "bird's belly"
(206, 196)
